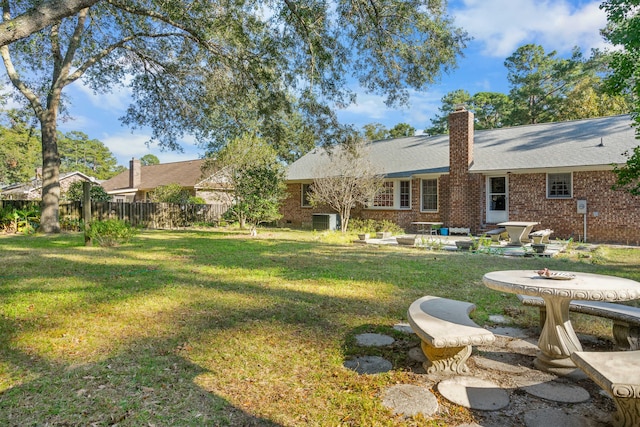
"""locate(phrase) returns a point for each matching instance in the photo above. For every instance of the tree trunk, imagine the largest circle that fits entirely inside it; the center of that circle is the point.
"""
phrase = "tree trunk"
(49, 217)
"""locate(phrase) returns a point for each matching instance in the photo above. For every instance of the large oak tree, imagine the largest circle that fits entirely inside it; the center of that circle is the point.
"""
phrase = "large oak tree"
(623, 31)
(191, 65)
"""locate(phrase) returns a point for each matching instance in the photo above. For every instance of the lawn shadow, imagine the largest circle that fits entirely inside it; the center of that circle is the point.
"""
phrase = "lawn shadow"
(141, 387)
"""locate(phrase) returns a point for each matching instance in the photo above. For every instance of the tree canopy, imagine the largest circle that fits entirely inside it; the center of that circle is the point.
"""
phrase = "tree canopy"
(248, 65)
(255, 178)
(543, 88)
(376, 131)
(89, 156)
(623, 30)
(149, 159)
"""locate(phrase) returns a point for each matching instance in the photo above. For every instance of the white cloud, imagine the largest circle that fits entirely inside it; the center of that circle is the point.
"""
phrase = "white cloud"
(371, 108)
(117, 99)
(501, 26)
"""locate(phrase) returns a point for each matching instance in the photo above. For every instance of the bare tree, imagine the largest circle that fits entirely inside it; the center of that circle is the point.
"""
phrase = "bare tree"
(346, 178)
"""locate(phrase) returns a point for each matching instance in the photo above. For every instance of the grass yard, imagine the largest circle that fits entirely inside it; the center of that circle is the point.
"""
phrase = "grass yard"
(195, 328)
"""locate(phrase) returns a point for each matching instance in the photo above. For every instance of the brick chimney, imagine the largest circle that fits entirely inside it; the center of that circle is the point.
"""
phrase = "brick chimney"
(460, 140)
(135, 173)
(464, 188)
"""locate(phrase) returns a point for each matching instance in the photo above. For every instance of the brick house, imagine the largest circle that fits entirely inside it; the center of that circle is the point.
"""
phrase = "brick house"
(135, 184)
(478, 179)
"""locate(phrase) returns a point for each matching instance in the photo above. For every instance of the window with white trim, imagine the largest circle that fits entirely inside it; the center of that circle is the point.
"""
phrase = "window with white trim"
(305, 191)
(405, 194)
(384, 197)
(559, 185)
(429, 197)
(395, 194)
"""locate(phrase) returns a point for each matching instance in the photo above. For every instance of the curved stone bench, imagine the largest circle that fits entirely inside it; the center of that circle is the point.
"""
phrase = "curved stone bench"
(626, 319)
(447, 333)
(617, 373)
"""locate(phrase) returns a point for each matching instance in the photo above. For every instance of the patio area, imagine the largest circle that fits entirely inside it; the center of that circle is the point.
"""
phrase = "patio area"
(468, 243)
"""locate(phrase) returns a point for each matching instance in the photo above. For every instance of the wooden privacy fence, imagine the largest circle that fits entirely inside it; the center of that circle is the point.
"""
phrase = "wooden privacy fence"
(147, 215)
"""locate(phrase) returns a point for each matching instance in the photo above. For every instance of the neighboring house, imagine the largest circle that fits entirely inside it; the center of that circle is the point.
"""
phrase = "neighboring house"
(33, 189)
(135, 184)
(476, 180)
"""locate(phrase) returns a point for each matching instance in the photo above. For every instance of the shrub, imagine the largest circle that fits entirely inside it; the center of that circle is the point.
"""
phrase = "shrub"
(170, 193)
(96, 193)
(111, 232)
(196, 200)
(357, 225)
(389, 226)
(26, 220)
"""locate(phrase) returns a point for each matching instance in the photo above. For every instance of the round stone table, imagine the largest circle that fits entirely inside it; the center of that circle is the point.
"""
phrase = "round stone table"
(558, 339)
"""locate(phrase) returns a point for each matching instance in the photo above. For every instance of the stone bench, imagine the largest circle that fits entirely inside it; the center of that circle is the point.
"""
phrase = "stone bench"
(497, 233)
(447, 333)
(459, 230)
(540, 236)
(626, 319)
(617, 373)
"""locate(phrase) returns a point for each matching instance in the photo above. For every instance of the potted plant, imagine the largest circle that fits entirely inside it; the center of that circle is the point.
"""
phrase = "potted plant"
(406, 240)
(364, 236)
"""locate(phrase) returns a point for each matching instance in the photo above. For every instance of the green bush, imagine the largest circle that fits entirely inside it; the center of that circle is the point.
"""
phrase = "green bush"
(96, 193)
(196, 200)
(70, 224)
(26, 220)
(357, 225)
(389, 226)
(111, 232)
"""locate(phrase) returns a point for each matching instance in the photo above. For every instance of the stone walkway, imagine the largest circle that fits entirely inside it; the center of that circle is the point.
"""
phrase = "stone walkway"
(503, 388)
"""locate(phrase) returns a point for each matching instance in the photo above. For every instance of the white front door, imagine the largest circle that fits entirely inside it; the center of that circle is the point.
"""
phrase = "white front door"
(497, 200)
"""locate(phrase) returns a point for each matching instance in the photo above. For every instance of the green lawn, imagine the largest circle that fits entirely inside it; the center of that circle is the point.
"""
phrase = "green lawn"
(216, 328)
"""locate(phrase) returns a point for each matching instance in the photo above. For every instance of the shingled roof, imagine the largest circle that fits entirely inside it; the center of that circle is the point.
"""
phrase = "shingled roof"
(187, 174)
(578, 144)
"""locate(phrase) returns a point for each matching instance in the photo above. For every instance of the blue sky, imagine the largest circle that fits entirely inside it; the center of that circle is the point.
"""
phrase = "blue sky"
(498, 28)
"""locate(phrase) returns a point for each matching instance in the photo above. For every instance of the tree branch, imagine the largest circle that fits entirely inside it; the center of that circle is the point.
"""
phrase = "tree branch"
(40, 17)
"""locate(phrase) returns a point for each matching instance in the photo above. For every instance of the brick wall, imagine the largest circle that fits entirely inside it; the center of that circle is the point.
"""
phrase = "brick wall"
(618, 213)
(613, 216)
(294, 214)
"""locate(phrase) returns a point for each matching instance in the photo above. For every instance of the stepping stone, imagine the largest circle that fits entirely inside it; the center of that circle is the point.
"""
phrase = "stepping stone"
(410, 400)
(554, 417)
(374, 340)
(474, 393)
(403, 327)
(558, 392)
(368, 365)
